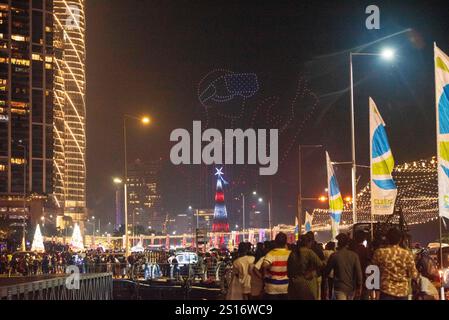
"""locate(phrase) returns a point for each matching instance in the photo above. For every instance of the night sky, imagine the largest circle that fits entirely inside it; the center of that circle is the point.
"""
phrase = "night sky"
(147, 57)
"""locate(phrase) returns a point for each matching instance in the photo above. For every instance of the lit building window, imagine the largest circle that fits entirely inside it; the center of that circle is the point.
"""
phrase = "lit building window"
(17, 37)
(17, 161)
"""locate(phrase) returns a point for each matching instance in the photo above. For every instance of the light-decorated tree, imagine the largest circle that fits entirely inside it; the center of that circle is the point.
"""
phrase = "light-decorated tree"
(220, 223)
(38, 241)
(76, 244)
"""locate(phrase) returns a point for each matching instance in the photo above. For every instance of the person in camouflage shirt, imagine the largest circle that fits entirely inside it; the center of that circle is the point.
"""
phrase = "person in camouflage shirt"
(397, 268)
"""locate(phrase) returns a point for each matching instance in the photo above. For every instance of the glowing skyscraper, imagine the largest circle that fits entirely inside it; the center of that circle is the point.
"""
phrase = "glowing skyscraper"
(70, 108)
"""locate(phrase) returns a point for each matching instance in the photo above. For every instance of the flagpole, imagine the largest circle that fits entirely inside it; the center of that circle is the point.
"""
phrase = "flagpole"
(354, 167)
(370, 172)
(442, 297)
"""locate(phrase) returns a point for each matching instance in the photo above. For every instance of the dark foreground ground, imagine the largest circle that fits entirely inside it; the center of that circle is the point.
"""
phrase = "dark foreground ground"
(128, 290)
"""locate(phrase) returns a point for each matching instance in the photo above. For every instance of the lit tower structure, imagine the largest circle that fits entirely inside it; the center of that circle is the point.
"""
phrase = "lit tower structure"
(70, 109)
(220, 223)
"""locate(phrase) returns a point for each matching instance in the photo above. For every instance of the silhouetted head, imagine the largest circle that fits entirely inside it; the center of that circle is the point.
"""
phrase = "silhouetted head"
(394, 236)
(330, 246)
(280, 240)
(343, 240)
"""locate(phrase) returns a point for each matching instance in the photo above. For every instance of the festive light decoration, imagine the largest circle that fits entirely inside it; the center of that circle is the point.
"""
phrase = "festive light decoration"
(38, 241)
(417, 195)
(76, 244)
(220, 223)
(239, 112)
(228, 86)
(138, 247)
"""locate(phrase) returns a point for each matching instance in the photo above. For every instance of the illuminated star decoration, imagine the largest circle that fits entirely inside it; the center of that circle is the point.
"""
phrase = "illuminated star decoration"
(219, 173)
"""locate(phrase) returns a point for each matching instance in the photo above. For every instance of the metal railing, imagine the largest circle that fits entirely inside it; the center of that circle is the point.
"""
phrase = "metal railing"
(91, 287)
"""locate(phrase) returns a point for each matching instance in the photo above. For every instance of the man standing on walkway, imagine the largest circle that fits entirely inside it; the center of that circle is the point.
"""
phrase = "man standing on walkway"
(397, 268)
(275, 270)
(347, 271)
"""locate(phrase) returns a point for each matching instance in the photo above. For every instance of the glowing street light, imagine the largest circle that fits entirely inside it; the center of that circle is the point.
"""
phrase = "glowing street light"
(117, 181)
(146, 120)
(260, 200)
(388, 54)
(322, 198)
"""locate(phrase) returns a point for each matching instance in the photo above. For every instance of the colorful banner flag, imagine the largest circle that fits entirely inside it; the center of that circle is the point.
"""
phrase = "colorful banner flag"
(383, 188)
(308, 225)
(335, 199)
(261, 235)
(442, 109)
(296, 229)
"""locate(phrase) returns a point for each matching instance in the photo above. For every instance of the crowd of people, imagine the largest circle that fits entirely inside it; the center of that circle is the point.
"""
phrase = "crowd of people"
(148, 265)
(55, 260)
(307, 270)
(273, 270)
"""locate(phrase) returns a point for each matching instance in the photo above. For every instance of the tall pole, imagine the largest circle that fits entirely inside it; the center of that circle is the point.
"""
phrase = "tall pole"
(442, 295)
(354, 167)
(197, 220)
(243, 216)
(117, 209)
(299, 213)
(126, 190)
(24, 196)
(269, 220)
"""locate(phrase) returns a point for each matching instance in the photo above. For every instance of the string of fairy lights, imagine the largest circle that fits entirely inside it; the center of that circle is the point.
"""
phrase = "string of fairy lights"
(417, 196)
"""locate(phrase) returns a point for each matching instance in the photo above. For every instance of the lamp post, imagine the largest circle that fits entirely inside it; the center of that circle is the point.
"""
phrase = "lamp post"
(270, 224)
(117, 182)
(144, 121)
(93, 230)
(387, 54)
(242, 195)
(300, 198)
(22, 146)
(243, 216)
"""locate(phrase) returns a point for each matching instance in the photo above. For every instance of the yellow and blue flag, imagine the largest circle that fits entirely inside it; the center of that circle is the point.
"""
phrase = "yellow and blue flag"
(309, 219)
(383, 187)
(335, 198)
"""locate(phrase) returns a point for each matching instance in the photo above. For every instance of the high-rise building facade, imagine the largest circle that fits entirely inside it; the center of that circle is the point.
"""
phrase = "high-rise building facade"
(143, 192)
(26, 105)
(70, 108)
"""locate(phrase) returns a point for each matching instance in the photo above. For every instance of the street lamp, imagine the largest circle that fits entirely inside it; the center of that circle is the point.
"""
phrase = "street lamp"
(118, 182)
(22, 146)
(260, 200)
(386, 54)
(145, 121)
(300, 197)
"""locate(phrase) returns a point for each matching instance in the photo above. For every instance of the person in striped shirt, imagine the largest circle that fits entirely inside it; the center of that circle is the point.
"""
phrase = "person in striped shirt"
(275, 269)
